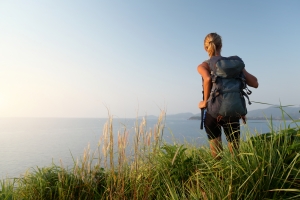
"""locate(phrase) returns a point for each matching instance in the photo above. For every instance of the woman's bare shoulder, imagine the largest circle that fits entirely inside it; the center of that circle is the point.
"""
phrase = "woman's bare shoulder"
(204, 65)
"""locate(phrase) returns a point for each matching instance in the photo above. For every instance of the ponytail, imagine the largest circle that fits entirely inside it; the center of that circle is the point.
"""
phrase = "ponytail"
(212, 43)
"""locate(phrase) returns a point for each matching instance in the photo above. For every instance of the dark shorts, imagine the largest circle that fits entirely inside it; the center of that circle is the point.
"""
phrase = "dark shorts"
(213, 128)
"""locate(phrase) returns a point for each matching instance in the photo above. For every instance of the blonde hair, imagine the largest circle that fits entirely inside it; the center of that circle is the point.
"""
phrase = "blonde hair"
(212, 44)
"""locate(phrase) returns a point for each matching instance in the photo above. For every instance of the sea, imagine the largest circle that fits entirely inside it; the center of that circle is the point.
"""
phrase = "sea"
(30, 143)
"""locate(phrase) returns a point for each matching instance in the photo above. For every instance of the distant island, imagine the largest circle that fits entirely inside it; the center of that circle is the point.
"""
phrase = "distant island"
(273, 112)
(248, 118)
(195, 118)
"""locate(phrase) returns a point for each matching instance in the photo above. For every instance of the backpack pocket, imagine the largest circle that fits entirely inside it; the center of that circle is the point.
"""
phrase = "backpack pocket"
(213, 106)
(233, 105)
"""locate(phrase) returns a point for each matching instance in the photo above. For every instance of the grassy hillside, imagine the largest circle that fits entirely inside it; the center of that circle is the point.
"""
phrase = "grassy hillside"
(266, 167)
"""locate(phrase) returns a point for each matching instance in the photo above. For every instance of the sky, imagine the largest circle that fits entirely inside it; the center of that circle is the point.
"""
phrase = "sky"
(132, 58)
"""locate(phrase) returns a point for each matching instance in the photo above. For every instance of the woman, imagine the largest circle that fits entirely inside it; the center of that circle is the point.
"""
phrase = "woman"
(213, 46)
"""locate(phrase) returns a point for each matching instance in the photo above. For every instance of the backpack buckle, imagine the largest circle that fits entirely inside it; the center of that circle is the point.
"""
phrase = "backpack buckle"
(213, 78)
(248, 91)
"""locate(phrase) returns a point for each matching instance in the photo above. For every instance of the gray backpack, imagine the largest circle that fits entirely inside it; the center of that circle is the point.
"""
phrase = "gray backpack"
(227, 93)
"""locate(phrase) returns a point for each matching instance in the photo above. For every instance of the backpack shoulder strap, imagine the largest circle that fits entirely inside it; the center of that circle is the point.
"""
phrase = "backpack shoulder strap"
(212, 66)
(212, 63)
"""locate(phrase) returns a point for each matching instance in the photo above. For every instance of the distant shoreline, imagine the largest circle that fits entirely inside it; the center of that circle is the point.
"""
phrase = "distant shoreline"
(258, 118)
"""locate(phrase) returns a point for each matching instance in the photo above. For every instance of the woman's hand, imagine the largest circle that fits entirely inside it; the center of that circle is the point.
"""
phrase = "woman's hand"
(202, 104)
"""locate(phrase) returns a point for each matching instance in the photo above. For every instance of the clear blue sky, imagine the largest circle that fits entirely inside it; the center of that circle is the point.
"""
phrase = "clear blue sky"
(75, 58)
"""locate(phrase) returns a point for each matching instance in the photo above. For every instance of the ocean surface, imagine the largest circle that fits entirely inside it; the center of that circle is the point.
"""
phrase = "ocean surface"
(27, 143)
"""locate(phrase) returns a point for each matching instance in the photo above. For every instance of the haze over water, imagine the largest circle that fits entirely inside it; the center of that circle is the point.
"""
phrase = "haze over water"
(32, 142)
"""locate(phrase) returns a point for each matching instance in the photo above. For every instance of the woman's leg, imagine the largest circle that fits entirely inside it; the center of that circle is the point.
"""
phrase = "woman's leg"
(232, 132)
(234, 146)
(213, 130)
(216, 147)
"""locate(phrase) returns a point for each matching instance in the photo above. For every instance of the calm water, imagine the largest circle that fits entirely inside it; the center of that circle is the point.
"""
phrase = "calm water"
(31, 142)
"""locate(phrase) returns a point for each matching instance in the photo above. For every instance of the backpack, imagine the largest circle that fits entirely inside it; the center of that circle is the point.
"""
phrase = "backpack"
(227, 97)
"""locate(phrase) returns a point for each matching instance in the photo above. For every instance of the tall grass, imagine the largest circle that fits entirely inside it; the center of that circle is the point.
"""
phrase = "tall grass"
(266, 167)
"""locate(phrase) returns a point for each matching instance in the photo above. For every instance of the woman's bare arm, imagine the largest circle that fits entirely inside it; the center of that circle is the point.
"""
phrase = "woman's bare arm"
(250, 79)
(204, 71)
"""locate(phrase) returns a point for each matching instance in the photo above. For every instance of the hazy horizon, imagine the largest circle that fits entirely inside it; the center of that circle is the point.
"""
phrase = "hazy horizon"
(80, 59)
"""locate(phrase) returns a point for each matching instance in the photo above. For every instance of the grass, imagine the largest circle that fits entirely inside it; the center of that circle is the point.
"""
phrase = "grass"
(267, 166)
